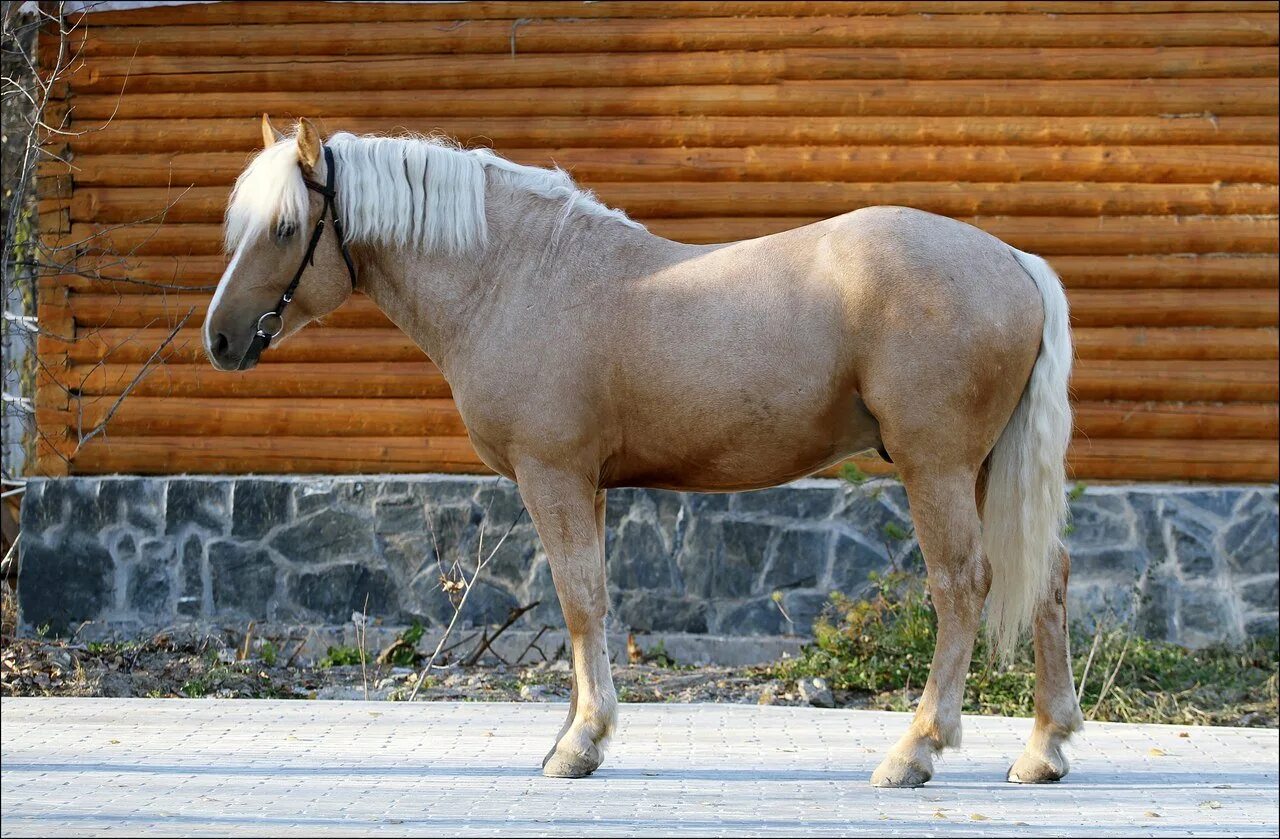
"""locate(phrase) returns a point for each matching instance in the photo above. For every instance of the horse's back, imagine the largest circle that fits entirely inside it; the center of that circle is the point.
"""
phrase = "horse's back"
(764, 360)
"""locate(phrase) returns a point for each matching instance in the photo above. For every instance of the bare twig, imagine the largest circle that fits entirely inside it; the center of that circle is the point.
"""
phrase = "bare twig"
(1111, 679)
(248, 640)
(533, 645)
(6, 564)
(469, 585)
(293, 656)
(1088, 662)
(487, 640)
(362, 633)
(145, 370)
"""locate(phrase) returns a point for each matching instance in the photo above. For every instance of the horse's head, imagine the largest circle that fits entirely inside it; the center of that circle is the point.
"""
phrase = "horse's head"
(269, 224)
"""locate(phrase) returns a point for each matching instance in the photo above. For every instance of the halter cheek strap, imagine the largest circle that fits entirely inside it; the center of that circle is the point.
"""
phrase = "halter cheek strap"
(270, 324)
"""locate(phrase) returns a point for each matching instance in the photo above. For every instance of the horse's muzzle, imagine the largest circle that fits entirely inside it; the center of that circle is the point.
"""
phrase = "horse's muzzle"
(224, 357)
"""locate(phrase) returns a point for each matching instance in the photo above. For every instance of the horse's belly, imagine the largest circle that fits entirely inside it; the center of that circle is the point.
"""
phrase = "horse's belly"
(742, 454)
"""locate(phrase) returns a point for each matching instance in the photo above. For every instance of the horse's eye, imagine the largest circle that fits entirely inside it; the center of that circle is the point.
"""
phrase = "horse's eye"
(284, 230)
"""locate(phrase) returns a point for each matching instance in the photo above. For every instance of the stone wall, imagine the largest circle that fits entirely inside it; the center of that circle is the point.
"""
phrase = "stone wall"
(1194, 565)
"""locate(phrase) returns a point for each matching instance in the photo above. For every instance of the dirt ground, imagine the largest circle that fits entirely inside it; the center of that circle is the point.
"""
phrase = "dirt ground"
(205, 666)
(191, 664)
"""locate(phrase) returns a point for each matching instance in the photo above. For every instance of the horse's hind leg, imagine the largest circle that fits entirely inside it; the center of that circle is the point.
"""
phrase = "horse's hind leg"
(564, 508)
(1057, 710)
(945, 512)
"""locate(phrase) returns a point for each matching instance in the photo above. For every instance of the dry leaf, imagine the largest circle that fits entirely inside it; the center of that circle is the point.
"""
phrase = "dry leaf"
(978, 817)
(1157, 752)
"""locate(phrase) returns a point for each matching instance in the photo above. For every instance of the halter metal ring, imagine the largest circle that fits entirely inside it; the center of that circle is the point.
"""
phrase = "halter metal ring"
(279, 324)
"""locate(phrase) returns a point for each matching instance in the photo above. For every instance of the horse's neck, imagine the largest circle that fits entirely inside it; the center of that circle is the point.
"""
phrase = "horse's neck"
(532, 255)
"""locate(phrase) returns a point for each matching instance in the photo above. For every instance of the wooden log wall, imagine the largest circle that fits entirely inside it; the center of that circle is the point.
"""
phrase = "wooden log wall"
(1132, 143)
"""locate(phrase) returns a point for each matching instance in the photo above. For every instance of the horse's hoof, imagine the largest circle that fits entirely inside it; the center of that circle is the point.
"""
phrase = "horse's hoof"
(1031, 769)
(895, 773)
(560, 764)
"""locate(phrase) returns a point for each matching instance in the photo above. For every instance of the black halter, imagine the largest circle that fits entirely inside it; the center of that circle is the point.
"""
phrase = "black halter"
(264, 334)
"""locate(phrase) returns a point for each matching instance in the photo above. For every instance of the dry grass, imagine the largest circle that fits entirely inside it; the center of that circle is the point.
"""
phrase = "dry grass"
(881, 648)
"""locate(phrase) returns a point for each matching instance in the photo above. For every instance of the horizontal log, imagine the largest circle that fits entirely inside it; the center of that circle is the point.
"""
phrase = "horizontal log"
(377, 379)
(1172, 343)
(1177, 420)
(1049, 236)
(1162, 271)
(342, 418)
(330, 418)
(274, 455)
(1180, 307)
(1151, 164)
(1120, 235)
(856, 97)
(1089, 307)
(1168, 381)
(1156, 164)
(316, 344)
(574, 34)
(212, 417)
(1093, 380)
(824, 198)
(148, 274)
(322, 344)
(1173, 460)
(591, 69)
(664, 199)
(1096, 459)
(229, 123)
(249, 12)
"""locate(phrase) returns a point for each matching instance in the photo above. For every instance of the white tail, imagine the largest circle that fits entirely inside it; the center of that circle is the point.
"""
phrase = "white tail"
(1026, 504)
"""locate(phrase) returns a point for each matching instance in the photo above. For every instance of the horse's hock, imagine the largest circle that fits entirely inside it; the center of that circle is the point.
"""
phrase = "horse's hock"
(1134, 147)
(1194, 565)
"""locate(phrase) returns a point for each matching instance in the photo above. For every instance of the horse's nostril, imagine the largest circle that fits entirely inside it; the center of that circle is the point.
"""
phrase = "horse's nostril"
(220, 344)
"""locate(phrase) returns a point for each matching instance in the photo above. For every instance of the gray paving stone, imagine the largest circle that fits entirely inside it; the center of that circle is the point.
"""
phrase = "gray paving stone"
(123, 767)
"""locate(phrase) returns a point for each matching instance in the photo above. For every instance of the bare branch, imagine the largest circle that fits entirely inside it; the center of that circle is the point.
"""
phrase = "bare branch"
(462, 602)
(142, 374)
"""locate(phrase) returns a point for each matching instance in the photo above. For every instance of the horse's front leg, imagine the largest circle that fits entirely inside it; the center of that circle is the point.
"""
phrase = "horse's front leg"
(568, 513)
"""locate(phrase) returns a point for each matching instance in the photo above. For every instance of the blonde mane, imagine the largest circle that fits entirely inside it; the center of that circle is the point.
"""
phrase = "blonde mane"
(423, 192)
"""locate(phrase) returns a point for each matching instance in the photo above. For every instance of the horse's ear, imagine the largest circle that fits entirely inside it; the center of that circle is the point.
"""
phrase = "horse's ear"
(308, 144)
(269, 134)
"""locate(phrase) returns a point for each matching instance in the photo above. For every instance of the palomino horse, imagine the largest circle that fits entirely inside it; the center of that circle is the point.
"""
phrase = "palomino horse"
(585, 353)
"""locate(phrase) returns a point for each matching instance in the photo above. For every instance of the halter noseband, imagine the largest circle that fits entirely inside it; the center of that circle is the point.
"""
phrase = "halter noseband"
(263, 335)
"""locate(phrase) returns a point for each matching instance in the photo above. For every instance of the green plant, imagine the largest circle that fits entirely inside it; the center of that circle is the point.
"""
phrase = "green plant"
(414, 633)
(881, 648)
(658, 655)
(851, 472)
(340, 656)
(896, 531)
(404, 652)
(268, 653)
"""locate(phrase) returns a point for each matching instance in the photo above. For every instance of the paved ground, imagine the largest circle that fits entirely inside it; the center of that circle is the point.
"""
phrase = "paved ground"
(257, 767)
